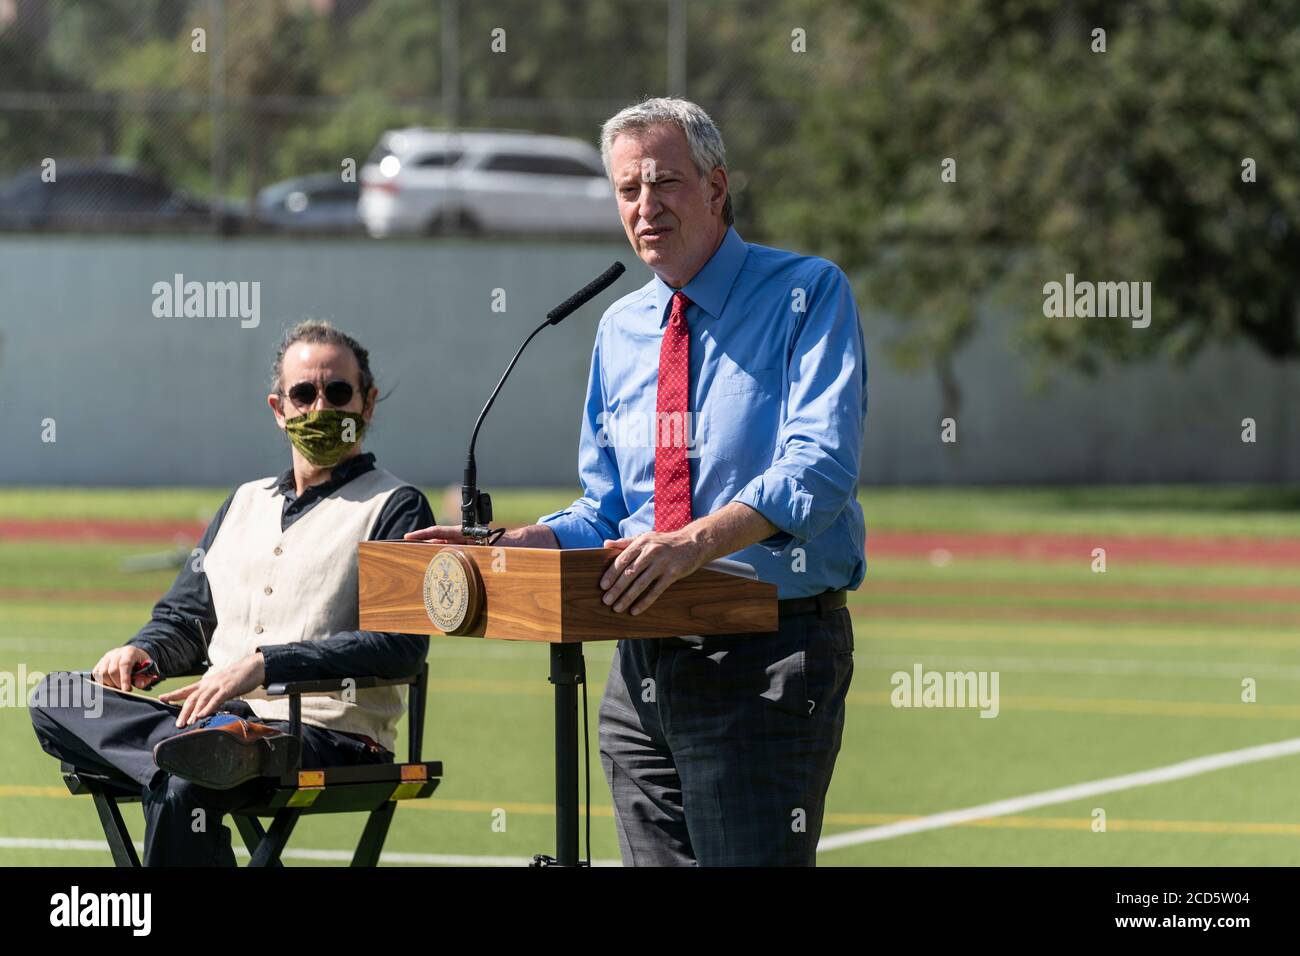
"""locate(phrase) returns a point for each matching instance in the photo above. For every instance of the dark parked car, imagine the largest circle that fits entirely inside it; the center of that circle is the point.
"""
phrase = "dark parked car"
(104, 194)
(321, 202)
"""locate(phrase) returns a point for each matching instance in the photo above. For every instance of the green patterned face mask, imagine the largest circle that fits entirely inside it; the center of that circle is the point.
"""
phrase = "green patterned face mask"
(326, 436)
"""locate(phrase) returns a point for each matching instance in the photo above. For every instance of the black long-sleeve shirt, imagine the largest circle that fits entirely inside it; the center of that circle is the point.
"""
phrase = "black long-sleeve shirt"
(173, 640)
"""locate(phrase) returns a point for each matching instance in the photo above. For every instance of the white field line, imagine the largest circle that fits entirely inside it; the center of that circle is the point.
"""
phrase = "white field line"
(1077, 791)
(417, 859)
(937, 821)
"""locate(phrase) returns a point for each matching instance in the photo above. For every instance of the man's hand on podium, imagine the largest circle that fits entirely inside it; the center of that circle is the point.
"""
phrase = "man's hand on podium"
(530, 536)
(648, 564)
(651, 562)
(438, 534)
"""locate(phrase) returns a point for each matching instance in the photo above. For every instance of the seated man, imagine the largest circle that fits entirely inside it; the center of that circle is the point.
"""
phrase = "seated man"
(270, 596)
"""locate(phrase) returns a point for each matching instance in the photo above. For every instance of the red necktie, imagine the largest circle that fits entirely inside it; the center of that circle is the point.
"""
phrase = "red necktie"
(672, 467)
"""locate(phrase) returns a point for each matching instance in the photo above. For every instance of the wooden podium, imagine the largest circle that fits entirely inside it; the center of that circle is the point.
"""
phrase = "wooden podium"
(551, 596)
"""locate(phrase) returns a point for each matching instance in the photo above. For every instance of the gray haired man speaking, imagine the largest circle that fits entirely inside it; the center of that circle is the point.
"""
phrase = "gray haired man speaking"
(750, 363)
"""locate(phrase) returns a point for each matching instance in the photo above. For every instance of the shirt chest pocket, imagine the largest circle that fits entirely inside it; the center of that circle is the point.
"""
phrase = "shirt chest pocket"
(741, 417)
(732, 379)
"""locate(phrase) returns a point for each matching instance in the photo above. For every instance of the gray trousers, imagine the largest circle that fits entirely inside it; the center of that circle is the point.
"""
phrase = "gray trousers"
(719, 750)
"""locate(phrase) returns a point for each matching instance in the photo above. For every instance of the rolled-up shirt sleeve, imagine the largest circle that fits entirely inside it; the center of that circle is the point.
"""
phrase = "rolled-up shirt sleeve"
(814, 474)
(594, 518)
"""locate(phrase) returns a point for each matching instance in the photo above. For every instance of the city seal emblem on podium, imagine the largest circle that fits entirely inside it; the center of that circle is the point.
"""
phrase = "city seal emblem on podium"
(453, 592)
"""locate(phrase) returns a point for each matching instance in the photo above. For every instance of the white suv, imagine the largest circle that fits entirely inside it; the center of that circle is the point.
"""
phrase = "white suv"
(420, 181)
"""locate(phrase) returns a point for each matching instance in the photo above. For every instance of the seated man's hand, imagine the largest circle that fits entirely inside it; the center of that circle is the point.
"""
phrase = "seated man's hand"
(216, 687)
(116, 667)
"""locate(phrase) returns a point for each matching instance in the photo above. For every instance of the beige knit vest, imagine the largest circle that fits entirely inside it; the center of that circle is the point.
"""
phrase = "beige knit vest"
(276, 587)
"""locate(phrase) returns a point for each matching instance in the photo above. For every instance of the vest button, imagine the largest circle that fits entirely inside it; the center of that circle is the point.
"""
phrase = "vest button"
(267, 589)
(258, 629)
(278, 551)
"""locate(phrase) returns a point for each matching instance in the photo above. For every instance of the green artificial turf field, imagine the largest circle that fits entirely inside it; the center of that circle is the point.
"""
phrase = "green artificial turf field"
(1100, 675)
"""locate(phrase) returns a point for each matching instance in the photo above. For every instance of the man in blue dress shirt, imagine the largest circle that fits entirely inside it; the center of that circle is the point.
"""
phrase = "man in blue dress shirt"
(723, 417)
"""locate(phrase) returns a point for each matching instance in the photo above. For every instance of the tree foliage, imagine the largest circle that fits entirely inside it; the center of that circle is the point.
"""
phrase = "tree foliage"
(1123, 165)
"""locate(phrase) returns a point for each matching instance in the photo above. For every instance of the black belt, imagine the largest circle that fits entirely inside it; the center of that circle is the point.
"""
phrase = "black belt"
(816, 604)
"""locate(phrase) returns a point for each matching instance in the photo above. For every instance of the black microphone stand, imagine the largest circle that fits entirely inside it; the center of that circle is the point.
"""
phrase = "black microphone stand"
(475, 505)
(568, 667)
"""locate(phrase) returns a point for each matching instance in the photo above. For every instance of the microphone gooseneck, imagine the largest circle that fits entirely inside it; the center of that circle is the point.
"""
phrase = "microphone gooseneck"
(476, 506)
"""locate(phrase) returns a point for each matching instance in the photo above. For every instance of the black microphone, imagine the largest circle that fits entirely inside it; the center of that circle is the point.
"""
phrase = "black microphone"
(584, 295)
(476, 506)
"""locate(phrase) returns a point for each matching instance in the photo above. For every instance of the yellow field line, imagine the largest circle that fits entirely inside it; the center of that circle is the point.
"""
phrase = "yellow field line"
(457, 806)
(906, 629)
(1231, 827)
(533, 687)
(1073, 705)
(870, 819)
(1119, 705)
(19, 790)
(1123, 706)
(484, 806)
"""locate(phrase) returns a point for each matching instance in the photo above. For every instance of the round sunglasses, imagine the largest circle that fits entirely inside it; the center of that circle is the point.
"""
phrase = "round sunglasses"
(338, 393)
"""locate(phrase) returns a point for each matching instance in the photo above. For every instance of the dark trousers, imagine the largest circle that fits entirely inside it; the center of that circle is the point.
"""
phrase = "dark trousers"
(103, 731)
(719, 750)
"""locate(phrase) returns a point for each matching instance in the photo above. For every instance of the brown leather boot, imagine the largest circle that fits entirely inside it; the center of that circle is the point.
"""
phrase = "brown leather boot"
(225, 750)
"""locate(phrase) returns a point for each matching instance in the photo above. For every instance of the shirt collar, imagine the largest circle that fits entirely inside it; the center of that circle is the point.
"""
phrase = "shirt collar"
(345, 472)
(710, 287)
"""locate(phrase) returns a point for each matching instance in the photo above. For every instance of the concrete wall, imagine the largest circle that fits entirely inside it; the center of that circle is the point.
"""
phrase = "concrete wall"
(143, 400)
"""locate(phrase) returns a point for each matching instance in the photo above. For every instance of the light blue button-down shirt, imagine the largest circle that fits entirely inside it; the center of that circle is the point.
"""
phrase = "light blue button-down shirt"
(778, 394)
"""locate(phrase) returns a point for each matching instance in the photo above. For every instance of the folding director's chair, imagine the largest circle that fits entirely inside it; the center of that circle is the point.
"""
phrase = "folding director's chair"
(369, 788)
